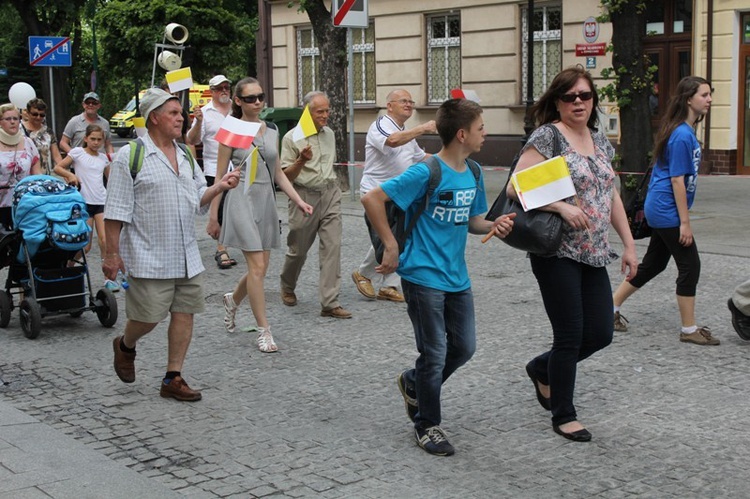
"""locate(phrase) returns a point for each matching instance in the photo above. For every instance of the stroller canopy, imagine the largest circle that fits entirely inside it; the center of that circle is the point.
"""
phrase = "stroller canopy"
(46, 208)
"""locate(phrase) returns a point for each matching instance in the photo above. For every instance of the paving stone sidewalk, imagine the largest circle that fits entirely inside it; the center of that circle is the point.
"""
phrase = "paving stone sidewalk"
(323, 417)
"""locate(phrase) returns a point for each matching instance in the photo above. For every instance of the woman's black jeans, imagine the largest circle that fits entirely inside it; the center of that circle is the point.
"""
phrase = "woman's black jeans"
(578, 301)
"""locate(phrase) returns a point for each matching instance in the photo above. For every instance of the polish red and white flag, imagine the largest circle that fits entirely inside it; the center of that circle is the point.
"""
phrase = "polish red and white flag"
(458, 93)
(237, 133)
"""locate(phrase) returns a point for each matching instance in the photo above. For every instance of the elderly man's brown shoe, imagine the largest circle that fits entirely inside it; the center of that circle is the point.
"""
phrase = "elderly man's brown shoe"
(179, 390)
(124, 362)
(289, 298)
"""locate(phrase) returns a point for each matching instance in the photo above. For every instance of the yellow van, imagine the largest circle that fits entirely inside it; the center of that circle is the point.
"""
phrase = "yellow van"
(122, 122)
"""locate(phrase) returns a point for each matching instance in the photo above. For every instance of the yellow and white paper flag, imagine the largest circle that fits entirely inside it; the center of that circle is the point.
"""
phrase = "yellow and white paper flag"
(544, 183)
(139, 123)
(252, 168)
(305, 127)
(179, 79)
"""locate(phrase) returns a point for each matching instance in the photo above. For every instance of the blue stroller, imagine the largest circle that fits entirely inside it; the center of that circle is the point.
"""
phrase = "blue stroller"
(50, 229)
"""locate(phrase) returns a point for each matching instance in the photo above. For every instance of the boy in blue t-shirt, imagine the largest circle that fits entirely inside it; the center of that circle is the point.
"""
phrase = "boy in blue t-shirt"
(432, 267)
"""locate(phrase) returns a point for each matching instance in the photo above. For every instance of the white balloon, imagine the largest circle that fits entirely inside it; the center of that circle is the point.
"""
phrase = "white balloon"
(20, 94)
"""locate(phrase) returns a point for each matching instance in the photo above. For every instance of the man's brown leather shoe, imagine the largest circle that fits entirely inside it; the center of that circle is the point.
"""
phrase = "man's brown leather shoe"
(124, 362)
(179, 390)
(391, 294)
(289, 298)
(337, 313)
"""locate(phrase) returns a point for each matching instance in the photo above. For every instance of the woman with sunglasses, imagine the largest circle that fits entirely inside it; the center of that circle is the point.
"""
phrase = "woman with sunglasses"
(574, 282)
(250, 220)
(671, 191)
(18, 158)
(44, 139)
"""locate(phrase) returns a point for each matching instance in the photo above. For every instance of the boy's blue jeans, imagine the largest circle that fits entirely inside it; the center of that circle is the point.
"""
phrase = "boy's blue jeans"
(445, 333)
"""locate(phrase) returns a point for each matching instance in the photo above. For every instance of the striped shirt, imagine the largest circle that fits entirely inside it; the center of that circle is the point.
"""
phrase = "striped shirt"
(158, 212)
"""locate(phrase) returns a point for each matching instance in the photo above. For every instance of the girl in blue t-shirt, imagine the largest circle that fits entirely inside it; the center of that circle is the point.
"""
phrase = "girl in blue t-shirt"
(671, 192)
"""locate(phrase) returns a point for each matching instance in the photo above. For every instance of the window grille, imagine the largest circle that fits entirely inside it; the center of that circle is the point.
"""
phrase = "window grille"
(308, 63)
(443, 56)
(363, 49)
(547, 25)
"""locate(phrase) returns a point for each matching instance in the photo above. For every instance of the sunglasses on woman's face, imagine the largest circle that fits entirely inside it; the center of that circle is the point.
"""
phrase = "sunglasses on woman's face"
(252, 99)
(584, 96)
(37, 115)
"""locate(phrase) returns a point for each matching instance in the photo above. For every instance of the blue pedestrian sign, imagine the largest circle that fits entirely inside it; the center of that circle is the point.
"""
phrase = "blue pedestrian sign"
(49, 51)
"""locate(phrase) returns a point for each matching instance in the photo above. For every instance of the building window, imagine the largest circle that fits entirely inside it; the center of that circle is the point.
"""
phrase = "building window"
(308, 63)
(443, 56)
(547, 25)
(363, 47)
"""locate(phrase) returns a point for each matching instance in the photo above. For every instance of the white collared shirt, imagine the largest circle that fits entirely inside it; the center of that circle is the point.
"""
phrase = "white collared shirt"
(383, 162)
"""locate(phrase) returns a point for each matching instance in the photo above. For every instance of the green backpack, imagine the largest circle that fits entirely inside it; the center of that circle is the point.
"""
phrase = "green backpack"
(137, 152)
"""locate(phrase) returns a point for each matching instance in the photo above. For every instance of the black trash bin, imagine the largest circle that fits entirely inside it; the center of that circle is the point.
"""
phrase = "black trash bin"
(285, 118)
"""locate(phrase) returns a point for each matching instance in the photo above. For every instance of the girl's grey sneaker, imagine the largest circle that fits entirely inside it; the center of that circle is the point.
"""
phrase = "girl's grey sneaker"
(701, 336)
(434, 441)
(621, 323)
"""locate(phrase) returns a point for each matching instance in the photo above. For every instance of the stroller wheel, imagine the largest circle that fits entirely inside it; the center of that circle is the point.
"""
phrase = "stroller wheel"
(106, 307)
(31, 318)
(5, 308)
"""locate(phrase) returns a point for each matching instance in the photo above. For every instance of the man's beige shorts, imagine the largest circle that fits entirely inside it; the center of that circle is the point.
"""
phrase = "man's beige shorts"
(151, 300)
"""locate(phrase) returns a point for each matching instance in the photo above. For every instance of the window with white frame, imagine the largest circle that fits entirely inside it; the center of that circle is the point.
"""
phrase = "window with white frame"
(443, 56)
(308, 63)
(363, 48)
(547, 41)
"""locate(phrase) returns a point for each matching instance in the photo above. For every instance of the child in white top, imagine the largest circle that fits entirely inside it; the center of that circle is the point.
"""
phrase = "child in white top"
(90, 167)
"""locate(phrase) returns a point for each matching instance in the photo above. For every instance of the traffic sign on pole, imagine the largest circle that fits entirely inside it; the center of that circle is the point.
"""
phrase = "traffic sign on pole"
(350, 13)
(49, 51)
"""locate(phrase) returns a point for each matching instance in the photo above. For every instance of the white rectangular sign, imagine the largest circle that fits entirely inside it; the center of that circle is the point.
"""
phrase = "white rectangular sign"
(350, 13)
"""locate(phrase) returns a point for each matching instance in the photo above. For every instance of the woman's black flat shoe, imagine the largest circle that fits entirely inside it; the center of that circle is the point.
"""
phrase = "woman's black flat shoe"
(577, 436)
(543, 401)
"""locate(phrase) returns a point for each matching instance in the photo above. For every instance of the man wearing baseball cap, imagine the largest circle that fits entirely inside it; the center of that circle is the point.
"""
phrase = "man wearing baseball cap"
(75, 130)
(149, 228)
(206, 123)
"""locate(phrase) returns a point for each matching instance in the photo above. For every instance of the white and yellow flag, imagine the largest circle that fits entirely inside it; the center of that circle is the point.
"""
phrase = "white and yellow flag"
(252, 168)
(544, 183)
(179, 79)
(139, 123)
(305, 127)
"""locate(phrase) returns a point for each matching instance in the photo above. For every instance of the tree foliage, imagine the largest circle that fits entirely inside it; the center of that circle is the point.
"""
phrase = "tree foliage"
(14, 55)
(333, 62)
(632, 81)
(220, 41)
(52, 18)
(222, 34)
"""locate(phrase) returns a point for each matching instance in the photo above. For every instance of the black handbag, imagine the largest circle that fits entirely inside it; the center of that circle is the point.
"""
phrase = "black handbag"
(639, 227)
(535, 231)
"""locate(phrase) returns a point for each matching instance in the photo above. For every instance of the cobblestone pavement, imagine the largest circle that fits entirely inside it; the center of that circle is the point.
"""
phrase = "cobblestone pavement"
(323, 417)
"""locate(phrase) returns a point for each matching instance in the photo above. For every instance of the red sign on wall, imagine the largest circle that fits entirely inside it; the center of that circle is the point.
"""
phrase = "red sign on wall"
(587, 49)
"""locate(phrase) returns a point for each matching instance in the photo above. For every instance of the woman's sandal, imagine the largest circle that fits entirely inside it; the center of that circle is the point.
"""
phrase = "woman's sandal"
(265, 341)
(224, 263)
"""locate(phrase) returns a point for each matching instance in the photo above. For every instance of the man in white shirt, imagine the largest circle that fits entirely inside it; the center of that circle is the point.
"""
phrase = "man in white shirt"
(206, 123)
(389, 150)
